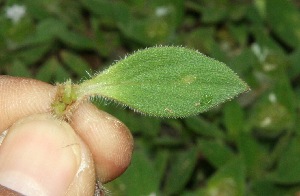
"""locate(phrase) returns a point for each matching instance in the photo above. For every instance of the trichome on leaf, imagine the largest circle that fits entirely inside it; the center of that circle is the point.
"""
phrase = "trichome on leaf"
(160, 81)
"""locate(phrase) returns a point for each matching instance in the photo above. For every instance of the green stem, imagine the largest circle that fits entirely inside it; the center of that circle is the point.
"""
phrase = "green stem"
(65, 99)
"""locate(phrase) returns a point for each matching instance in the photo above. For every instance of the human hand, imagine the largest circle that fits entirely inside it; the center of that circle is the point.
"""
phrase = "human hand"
(41, 155)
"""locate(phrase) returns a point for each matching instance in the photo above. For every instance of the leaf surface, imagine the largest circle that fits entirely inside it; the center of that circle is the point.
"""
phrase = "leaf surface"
(166, 82)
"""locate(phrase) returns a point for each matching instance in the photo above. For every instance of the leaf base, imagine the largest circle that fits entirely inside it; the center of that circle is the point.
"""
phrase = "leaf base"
(65, 100)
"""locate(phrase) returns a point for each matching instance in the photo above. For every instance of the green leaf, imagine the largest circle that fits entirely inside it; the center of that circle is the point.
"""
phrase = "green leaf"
(108, 10)
(229, 180)
(233, 119)
(76, 40)
(45, 33)
(213, 14)
(287, 26)
(155, 23)
(294, 70)
(166, 82)
(32, 55)
(201, 38)
(141, 172)
(161, 163)
(75, 63)
(287, 171)
(18, 68)
(181, 170)
(253, 155)
(48, 70)
(270, 117)
(203, 127)
(215, 152)
(264, 187)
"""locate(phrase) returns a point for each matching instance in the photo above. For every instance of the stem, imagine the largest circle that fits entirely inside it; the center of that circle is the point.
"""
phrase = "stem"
(65, 100)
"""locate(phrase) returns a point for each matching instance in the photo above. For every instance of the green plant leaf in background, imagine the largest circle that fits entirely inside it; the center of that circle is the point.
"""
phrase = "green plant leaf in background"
(264, 187)
(181, 169)
(287, 170)
(289, 17)
(233, 119)
(141, 177)
(229, 180)
(202, 127)
(166, 82)
(215, 152)
(75, 63)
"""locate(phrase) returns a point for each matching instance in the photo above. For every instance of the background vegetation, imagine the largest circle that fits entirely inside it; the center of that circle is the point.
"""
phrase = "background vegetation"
(249, 146)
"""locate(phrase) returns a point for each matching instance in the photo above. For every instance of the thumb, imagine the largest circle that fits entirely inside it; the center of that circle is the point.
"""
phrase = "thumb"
(7, 191)
(42, 156)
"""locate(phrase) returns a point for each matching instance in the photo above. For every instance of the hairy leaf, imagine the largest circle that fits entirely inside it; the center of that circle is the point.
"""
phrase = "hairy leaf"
(166, 82)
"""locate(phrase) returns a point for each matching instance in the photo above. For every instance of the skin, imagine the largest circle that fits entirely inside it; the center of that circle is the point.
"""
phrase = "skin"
(41, 155)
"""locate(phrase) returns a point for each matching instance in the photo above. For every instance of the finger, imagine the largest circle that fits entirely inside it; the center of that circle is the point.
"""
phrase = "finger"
(109, 140)
(43, 156)
(21, 97)
(7, 191)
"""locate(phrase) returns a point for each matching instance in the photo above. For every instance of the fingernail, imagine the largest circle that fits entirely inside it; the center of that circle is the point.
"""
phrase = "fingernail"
(39, 156)
(6, 191)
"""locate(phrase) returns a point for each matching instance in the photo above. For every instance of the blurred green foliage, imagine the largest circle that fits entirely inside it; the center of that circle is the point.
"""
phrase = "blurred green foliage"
(249, 146)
